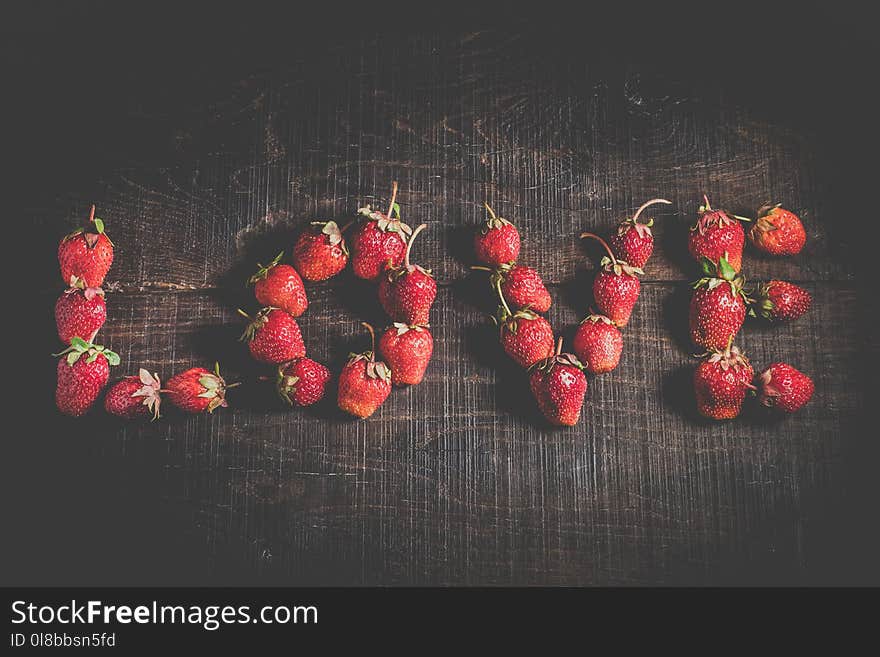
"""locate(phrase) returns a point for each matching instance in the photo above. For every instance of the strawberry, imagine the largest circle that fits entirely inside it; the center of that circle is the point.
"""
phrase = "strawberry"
(364, 383)
(80, 312)
(407, 350)
(781, 301)
(598, 344)
(785, 388)
(86, 253)
(778, 231)
(320, 252)
(521, 286)
(82, 374)
(198, 390)
(280, 286)
(717, 233)
(380, 242)
(721, 382)
(559, 385)
(407, 292)
(616, 288)
(273, 336)
(302, 382)
(497, 241)
(134, 396)
(525, 336)
(634, 242)
(718, 306)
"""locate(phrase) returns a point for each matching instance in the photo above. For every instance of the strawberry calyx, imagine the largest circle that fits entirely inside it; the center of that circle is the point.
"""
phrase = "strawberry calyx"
(558, 358)
(263, 270)
(493, 221)
(256, 323)
(643, 229)
(149, 391)
(594, 319)
(611, 264)
(79, 348)
(375, 369)
(764, 222)
(78, 284)
(729, 357)
(333, 233)
(407, 267)
(215, 388)
(710, 217)
(402, 327)
(285, 384)
(90, 231)
(769, 390)
(388, 222)
(719, 274)
(765, 305)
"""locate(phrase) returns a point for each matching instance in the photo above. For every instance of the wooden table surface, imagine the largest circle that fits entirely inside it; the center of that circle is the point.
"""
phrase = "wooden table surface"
(201, 171)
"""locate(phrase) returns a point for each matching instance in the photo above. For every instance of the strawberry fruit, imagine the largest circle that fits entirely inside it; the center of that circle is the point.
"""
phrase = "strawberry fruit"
(281, 287)
(497, 242)
(86, 253)
(559, 385)
(616, 288)
(134, 396)
(364, 383)
(598, 344)
(718, 306)
(302, 382)
(785, 388)
(273, 336)
(525, 336)
(408, 291)
(319, 252)
(633, 242)
(407, 350)
(521, 286)
(80, 312)
(717, 233)
(721, 382)
(380, 242)
(198, 390)
(778, 231)
(83, 371)
(781, 301)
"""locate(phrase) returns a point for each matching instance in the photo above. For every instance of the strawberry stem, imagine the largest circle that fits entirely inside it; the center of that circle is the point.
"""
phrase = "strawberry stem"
(559, 346)
(490, 210)
(409, 243)
(603, 243)
(646, 204)
(481, 268)
(372, 336)
(92, 214)
(501, 296)
(393, 197)
(243, 313)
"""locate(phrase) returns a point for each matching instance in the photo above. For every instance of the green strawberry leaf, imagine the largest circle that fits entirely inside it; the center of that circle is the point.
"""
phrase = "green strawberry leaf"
(72, 357)
(79, 344)
(112, 357)
(395, 210)
(727, 272)
(99, 225)
(708, 266)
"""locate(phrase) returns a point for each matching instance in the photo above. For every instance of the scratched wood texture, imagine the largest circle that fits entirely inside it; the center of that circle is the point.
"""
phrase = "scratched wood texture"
(201, 174)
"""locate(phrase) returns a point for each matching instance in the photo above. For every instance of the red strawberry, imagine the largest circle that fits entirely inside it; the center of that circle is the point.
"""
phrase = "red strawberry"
(320, 252)
(407, 350)
(717, 233)
(379, 243)
(364, 383)
(281, 287)
(616, 288)
(273, 336)
(302, 382)
(559, 385)
(134, 396)
(407, 292)
(497, 241)
(721, 382)
(785, 388)
(598, 344)
(781, 301)
(82, 374)
(80, 312)
(718, 306)
(778, 231)
(86, 253)
(521, 286)
(198, 390)
(525, 336)
(634, 242)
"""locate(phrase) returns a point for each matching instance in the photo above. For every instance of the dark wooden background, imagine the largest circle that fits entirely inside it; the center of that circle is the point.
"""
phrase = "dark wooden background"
(207, 142)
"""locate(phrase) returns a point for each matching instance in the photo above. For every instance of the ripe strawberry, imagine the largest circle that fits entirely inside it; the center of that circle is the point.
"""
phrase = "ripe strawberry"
(616, 288)
(80, 312)
(778, 231)
(302, 382)
(407, 292)
(198, 390)
(407, 350)
(273, 336)
(525, 336)
(717, 233)
(280, 286)
(134, 396)
(781, 301)
(364, 383)
(379, 243)
(559, 385)
(86, 253)
(497, 241)
(598, 344)
(718, 306)
(82, 374)
(785, 388)
(521, 286)
(634, 242)
(320, 252)
(721, 382)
